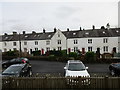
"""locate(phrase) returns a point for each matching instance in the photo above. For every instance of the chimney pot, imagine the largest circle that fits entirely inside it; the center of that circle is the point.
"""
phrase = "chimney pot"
(68, 29)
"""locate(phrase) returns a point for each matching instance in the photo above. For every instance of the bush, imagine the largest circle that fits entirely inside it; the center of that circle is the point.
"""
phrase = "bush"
(61, 53)
(11, 53)
(36, 53)
(73, 54)
(90, 57)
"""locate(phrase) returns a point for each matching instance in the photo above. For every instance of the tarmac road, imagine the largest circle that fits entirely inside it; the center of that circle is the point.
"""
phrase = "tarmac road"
(58, 67)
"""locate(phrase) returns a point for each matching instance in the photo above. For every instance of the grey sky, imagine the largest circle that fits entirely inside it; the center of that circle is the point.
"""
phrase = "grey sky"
(29, 16)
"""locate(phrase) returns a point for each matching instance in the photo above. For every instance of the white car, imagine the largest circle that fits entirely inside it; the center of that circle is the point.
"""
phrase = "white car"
(76, 68)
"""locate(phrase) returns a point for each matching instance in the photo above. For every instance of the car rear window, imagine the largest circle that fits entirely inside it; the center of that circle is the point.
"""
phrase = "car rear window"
(12, 70)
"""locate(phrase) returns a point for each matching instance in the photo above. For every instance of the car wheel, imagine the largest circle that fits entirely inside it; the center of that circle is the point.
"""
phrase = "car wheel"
(112, 72)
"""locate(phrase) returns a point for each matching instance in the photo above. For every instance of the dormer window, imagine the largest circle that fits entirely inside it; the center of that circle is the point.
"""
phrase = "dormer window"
(74, 33)
(86, 33)
(103, 32)
(26, 36)
(117, 31)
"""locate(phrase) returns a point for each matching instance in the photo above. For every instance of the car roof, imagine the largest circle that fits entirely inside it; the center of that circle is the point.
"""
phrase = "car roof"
(22, 65)
(74, 61)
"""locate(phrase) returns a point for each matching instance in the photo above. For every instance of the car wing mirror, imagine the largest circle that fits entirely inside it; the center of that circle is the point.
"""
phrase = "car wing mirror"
(86, 67)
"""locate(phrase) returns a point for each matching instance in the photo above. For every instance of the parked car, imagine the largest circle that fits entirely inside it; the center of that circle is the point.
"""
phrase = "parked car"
(14, 61)
(75, 68)
(18, 70)
(114, 69)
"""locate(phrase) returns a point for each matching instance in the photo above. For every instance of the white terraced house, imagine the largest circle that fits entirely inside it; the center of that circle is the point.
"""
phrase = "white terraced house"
(104, 40)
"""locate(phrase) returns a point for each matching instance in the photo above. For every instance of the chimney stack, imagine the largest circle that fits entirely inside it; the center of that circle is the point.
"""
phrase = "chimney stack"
(14, 33)
(68, 29)
(55, 30)
(23, 32)
(5, 34)
(43, 30)
(108, 26)
(80, 29)
(93, 27)
(33, 32)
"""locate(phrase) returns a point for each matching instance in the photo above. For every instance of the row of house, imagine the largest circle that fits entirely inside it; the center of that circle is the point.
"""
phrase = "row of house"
(102, 40)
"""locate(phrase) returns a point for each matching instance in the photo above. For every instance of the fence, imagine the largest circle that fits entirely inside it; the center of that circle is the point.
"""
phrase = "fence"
(27, 83)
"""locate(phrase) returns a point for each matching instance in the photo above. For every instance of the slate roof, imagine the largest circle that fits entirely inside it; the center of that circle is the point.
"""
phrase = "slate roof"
(113, 32)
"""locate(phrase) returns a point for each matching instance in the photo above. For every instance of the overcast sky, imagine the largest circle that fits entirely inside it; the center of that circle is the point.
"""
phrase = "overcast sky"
(29, 16)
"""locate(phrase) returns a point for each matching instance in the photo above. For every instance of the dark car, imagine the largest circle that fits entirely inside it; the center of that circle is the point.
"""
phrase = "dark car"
(18, 70)
(114, 68)
(14, 61)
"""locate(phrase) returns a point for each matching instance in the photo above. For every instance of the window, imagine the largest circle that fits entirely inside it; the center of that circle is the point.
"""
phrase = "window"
(59, 41)
(75, 49)
(47, 42)
(36, 42)
(36, 49)
(105, 40)
(59, 48)
(5, 43)
(105, 48)
(14, 43)
(25, 49)
(48, 49)
(5, 50)
(25, 43)
(89, 40)
(90, 49)
(58, 35)
(14, 49)
(75, 41)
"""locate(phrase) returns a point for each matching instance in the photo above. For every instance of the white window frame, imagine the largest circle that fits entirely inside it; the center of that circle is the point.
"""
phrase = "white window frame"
(105, 48)
(89, 41)
(75, 41)
(105, 40)
(36, 42)
(59, 41)
(90, 49)
(48, 42)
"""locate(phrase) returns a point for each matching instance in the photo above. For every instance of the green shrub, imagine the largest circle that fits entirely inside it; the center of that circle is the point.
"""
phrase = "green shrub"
(73, 54)
(12, 53)
(90, 57)
(36, 53)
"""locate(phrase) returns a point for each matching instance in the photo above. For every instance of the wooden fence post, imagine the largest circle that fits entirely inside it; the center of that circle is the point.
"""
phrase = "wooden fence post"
(106, 81)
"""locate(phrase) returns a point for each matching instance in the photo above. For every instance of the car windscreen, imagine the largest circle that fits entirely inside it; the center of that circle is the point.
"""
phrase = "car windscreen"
(76, 67)
(12, 70)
